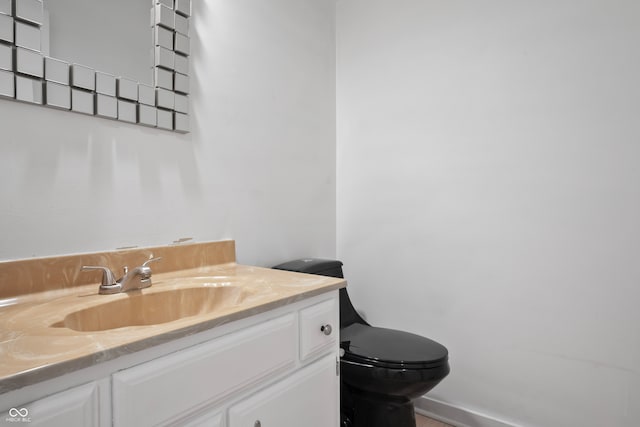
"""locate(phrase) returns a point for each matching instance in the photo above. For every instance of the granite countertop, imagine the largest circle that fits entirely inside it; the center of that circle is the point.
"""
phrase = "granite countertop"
(36, 344)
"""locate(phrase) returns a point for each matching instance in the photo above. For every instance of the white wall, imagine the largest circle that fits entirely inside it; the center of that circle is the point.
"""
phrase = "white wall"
(489, 194)
(258, 167)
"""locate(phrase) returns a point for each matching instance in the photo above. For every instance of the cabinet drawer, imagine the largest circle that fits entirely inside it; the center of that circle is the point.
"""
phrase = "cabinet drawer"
(315, 337)
(165, 389)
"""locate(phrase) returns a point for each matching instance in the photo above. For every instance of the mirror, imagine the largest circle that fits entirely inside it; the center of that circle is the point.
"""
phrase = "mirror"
(114, 42)
(125, 60)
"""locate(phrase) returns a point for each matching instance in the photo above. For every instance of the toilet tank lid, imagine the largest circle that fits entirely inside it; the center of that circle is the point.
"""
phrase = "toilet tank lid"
(309, 265)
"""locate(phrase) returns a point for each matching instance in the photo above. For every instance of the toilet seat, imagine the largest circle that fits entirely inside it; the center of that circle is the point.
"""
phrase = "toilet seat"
(390, 348)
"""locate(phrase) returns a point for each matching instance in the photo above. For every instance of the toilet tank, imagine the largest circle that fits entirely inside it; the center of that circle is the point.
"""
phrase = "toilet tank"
(322, 267)
(332, 268)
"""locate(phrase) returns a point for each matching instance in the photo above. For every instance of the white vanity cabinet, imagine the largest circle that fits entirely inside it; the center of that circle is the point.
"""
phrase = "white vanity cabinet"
(278, 368)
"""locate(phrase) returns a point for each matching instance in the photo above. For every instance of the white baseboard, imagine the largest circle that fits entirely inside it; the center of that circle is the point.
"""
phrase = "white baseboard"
(455, 415)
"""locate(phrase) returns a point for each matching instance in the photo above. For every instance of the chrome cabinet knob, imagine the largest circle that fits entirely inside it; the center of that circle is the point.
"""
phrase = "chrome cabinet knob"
(326, 329)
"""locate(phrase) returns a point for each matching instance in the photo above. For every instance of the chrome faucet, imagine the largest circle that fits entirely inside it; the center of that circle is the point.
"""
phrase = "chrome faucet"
(137, 278)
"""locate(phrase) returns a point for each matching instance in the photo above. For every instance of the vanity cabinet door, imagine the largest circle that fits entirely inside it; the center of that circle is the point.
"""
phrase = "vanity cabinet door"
(308, 398)
(79, 406)
(319, 328)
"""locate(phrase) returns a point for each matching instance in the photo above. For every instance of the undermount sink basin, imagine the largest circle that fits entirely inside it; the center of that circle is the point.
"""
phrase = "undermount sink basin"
(139, 309)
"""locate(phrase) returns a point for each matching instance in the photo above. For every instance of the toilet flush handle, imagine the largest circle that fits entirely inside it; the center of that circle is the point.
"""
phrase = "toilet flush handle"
(326, 329)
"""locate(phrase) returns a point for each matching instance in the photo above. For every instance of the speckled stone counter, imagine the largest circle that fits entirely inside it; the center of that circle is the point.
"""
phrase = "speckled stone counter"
(36, 344)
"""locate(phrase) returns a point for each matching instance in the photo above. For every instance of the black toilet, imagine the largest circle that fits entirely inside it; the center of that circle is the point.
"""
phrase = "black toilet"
(382, 370)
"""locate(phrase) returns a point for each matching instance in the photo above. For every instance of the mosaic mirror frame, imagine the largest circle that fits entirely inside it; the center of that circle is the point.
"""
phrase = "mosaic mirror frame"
(27, 75)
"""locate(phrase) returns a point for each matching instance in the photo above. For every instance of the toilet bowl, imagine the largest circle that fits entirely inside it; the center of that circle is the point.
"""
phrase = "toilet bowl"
(382, 370)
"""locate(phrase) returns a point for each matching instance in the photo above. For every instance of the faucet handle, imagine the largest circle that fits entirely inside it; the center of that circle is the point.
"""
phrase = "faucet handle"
(108, 279)
(144, 270)
(144, 264)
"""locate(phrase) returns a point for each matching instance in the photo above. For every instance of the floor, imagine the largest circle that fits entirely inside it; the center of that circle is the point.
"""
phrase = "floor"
(422, 421)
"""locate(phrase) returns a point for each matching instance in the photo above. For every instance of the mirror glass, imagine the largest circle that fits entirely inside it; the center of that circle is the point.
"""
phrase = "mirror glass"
(112, 36)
